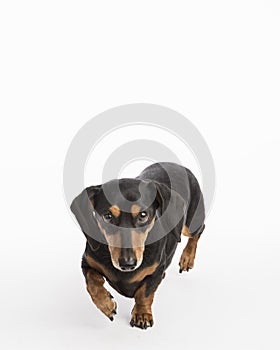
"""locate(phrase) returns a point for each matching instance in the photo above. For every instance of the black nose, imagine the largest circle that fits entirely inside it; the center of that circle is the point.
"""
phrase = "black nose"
(127, 263)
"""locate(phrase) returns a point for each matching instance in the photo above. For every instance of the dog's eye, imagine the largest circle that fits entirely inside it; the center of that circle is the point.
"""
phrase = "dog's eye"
(142, 216)
(107, 216)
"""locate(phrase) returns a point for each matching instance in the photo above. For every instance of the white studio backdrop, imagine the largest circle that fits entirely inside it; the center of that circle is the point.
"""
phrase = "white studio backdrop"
(215, 62)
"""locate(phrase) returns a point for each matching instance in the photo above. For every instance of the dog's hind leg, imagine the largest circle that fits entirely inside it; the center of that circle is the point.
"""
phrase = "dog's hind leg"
(188, 255)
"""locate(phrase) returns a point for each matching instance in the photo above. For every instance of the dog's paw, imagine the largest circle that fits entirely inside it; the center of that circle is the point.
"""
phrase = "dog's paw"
(186, 262)
(107, 305)
(141, 319)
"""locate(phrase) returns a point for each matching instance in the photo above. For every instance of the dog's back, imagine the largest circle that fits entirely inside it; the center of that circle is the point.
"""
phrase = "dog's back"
(181, 180)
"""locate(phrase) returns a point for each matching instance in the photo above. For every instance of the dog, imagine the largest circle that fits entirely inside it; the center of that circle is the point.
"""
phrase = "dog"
(132, 227)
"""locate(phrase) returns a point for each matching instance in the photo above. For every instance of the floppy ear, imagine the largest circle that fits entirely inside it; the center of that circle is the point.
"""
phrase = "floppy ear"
(82, 208)
(173, 208)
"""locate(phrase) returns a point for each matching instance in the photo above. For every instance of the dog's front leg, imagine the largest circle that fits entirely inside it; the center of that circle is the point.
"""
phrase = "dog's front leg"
(142, 315)
(142, 311)
(99, 295)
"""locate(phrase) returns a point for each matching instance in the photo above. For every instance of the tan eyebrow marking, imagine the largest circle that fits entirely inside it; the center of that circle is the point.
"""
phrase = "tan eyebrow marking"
(115, 210)
(135, 209)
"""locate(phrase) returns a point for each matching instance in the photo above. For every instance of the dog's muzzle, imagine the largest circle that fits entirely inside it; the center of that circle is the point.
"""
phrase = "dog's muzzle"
(127, 260)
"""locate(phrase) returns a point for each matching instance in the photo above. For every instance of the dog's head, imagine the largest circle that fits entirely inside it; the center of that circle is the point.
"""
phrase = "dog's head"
(124, 211)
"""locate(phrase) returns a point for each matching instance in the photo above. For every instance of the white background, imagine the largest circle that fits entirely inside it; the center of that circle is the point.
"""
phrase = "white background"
(216, 62)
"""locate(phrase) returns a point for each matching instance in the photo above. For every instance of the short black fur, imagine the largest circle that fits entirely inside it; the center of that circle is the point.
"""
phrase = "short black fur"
(164, 176)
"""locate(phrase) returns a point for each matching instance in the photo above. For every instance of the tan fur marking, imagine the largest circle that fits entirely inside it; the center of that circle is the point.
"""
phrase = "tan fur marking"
(112, 240)
(138, 244)
(139, 254)
(138, 277)
(114, 245)
(138, 241)
(115, 253)
(135, 209)
(98, 267)
(186, 232)
(115, 210)
(143, 304)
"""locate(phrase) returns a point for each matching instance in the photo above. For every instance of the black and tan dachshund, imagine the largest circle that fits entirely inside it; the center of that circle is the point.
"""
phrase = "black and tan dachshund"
(132, 227)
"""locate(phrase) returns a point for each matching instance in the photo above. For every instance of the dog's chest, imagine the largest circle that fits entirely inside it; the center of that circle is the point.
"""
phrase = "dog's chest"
(128, 283)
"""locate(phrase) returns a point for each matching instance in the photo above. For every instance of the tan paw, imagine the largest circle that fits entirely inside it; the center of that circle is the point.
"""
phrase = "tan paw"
(186, 262)
(105, 303)
(141, 319)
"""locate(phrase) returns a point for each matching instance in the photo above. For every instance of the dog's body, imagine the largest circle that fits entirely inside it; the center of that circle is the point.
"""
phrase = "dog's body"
(136, 270)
